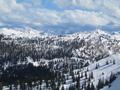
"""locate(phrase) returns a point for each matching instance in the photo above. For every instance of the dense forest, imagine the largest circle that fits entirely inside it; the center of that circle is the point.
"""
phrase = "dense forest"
(50, 62)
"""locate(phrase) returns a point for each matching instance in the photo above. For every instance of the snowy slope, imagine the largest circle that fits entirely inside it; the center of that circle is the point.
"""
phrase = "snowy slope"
(106, 69)
(114, 86)
(27, 33)
(103, 72)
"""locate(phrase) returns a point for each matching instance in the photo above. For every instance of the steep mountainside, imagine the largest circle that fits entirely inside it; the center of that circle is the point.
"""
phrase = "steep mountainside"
(36, 52)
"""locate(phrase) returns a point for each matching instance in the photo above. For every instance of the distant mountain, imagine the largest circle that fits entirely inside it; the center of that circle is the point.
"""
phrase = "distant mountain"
(89, 44)
(23, 33)
(63, 29)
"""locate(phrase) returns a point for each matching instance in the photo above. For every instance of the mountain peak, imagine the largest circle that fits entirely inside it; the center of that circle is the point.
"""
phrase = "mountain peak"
(100, 31)
(27, 33)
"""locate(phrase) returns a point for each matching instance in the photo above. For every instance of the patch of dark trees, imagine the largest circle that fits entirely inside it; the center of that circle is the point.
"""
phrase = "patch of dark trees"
(26, 73)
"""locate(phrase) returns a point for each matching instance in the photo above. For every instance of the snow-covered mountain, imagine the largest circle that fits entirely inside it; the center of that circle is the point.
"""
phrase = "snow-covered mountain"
(72, 55)
(92, 45)
(22, 33)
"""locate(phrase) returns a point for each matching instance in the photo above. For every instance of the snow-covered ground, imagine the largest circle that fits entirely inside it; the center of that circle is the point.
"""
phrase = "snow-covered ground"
(104, 71)
(115, 85)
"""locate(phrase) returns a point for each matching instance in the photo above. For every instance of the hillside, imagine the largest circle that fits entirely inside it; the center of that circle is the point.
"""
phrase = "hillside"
(38, 60)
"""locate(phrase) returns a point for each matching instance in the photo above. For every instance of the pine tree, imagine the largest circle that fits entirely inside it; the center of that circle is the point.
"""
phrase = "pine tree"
(92, 87)
(100, 84)
(81, 75)
(53, 85)
(97, 66)
(86, 74)
(89, 79)
(106, 82)
(113, 61)
(107, 62)
(11, 87)
(88, 86)
(57, 88)
(73, 78)
(47, 83)
(72, 88)
(112, 77)
(86, 64)
(91, 75)
(62, 88)
(78, 83)
(1, 86)
(87, 69)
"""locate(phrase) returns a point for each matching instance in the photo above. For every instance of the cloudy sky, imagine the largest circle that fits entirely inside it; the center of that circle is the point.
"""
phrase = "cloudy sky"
(61, 14)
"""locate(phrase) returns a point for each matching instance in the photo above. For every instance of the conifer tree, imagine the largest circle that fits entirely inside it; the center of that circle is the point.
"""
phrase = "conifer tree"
(86, 74)
(92, 86)
(1, 86)
(88, 86)
(62, 88)
(112, 77)
(113, 61)
(78, 82)
(100, 84)
(91, 75)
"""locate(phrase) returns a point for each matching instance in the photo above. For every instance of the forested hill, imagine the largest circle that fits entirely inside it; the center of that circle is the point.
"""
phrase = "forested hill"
(27, 56)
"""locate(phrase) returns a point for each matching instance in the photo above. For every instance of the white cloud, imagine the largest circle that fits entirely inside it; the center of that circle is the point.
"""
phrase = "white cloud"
(106, 6)
(7, 6)
(90, 12)
(27, 12)
(48, 17)
(85, 17)
(70, 16)
(88, 4)
(109, 8)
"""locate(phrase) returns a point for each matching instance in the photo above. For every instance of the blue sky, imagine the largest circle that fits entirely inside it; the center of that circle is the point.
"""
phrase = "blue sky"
(61, 14)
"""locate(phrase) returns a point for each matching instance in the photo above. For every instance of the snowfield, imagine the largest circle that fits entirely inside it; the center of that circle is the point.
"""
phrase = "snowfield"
(104, 70)
(114, 86)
